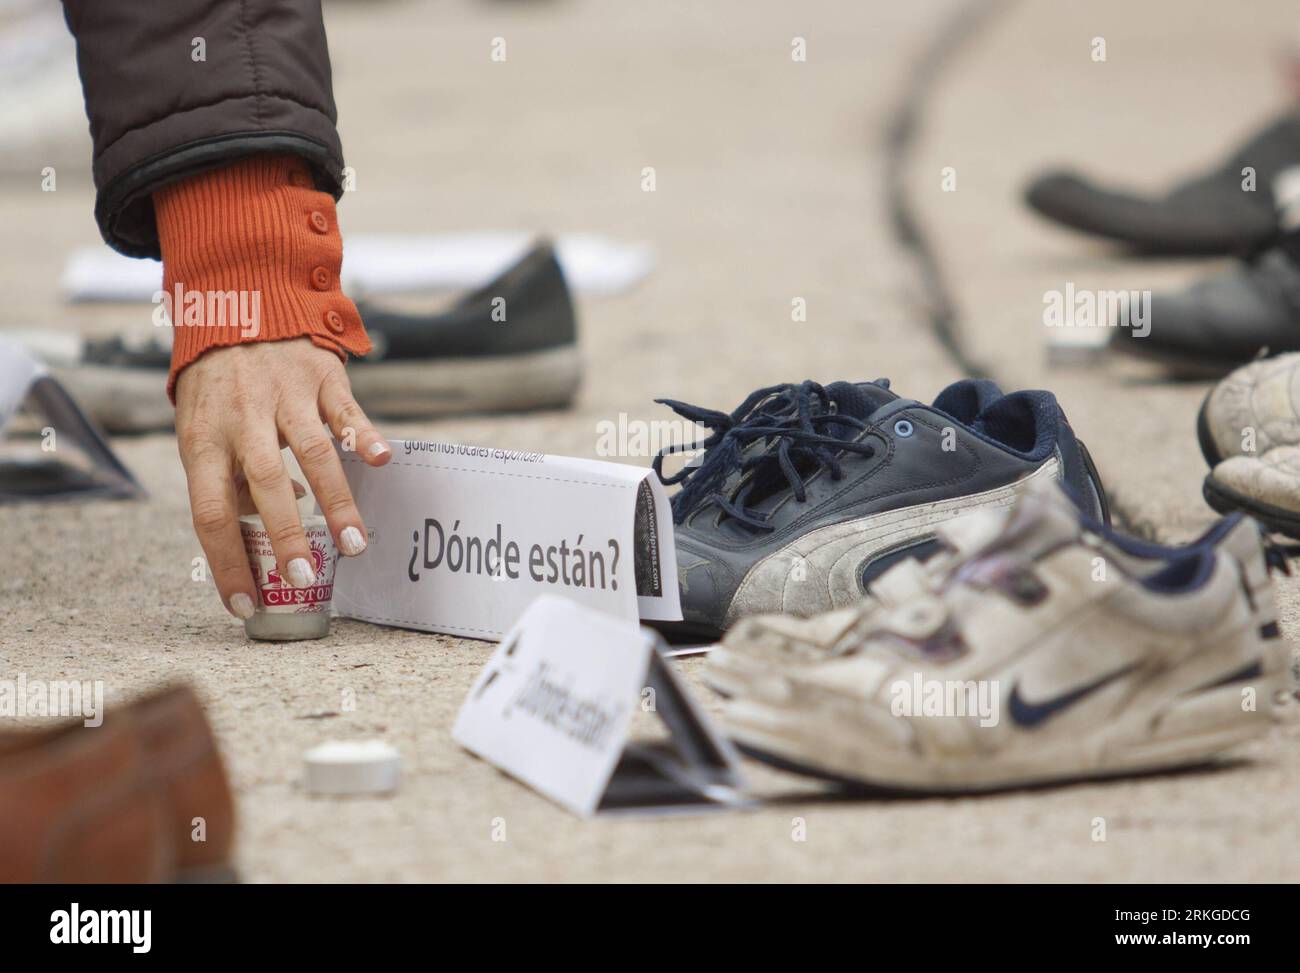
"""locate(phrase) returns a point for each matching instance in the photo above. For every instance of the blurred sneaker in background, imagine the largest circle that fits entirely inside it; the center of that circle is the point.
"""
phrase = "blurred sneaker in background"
(1208, 214)
(1227, 319)
(511, 345)
(1252, 410)
(1249, 431)
(1031, 666)
(1265, 485)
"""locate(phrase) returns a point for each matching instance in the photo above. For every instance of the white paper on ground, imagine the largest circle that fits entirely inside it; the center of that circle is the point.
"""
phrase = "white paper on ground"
(58, 349)
(1080, 345)
(397, 263)
(553, 708)
(18, 370)
(393, 263)
(463, 538)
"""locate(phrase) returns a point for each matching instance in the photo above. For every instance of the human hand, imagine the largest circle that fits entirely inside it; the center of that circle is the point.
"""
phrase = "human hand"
(235, 408)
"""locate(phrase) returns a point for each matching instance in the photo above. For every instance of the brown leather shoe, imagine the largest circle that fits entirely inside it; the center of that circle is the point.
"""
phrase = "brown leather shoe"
(185, 765)
(77, 806)
(142, 798)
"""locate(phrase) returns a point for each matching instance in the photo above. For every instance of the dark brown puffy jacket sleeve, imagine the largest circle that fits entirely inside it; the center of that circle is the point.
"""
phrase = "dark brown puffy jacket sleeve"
(158, 113)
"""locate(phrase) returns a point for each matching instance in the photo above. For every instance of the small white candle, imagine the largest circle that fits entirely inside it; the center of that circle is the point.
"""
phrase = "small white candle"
(352, 767)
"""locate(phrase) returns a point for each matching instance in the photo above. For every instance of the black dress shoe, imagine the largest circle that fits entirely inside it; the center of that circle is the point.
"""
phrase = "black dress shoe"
(1207, 215)
(511, 345)
(1226, 320)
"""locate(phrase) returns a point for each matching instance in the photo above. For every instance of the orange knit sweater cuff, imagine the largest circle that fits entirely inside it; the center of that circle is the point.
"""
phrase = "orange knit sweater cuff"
(252, 252)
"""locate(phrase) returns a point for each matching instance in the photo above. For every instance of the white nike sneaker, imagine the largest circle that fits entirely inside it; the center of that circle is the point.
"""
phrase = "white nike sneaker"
(767, 646)
(1252, 410)
(1037, 660)
(762, 645)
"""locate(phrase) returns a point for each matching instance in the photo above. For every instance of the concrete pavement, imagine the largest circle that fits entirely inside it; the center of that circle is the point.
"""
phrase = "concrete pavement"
(768, 188)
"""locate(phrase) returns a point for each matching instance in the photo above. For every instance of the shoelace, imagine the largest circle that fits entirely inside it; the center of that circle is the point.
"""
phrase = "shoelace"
(794, 419)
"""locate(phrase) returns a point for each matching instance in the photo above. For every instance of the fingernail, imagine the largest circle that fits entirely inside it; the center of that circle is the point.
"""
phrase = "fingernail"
(241, 605)
(300, 572)
(377, 449)
(352, 541)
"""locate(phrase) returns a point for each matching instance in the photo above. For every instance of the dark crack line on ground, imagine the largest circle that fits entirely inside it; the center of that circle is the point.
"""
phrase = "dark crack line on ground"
(955, 36)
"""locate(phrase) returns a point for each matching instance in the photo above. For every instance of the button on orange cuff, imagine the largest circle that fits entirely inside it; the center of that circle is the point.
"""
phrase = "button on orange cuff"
(278, 239)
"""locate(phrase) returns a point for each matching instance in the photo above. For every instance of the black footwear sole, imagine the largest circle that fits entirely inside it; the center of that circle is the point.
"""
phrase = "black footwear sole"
(848, 784)
(1208, 449)
(854, 787)
(686, 633)
(1225, 500)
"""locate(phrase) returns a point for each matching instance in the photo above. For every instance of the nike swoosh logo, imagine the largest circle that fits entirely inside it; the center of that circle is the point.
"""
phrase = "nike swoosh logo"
(1028, 714)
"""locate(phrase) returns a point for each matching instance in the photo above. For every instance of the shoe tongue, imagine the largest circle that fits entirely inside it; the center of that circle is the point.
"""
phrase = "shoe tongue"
(860, 399)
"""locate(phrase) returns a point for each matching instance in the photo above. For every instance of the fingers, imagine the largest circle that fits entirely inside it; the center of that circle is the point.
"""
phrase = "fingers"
(315, 451)
(216, 522)
(244, 500)
(350, 424)
(272, 493)
(232, 405)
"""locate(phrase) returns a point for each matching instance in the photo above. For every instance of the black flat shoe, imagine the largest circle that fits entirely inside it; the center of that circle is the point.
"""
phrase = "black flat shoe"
(1208, 215)
(511, 345)
(1227, 319)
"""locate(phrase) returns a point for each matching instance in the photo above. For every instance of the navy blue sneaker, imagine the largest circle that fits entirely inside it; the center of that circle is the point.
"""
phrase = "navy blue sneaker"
(805, 493)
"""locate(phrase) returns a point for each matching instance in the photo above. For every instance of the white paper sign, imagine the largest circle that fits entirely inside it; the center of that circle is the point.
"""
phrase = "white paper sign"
(553, 708)
(464, 538)
(89, 469)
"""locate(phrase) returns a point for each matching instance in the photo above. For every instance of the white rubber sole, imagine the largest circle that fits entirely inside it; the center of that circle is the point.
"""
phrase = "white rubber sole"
(1186, 733)
(450, 386)
(127, 400)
